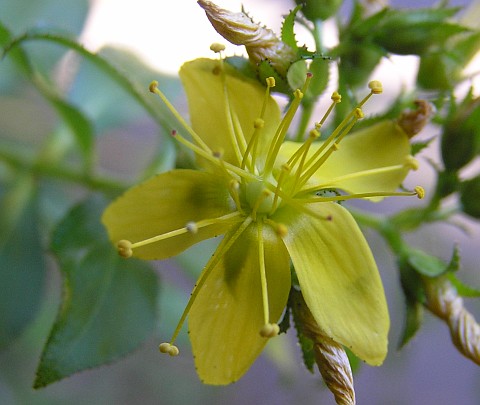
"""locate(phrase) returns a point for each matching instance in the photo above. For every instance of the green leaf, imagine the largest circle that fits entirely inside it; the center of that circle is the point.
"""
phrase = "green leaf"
(426, 264)
(413, 321)
(306, 344)
(109, 303)
(22, 265)
(156, 110)
(463, 289)
(417, 147)
(80, 126)
(288, 34)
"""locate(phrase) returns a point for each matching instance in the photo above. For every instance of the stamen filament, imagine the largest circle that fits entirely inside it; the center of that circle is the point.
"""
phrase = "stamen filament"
(417, 192)
(210, 157)
(186, 229)
(333, 182)
(154, 89)
(263, 276)
(223, 247)
(281, 179)
(284, 125)
(332, 148)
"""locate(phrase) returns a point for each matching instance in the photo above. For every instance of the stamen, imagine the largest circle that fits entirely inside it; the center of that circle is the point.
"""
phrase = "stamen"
(233, 187)
(269, 330)
(222, 249)
(124, 248)
(168, 348)
(280, 229)
(281, 179)
(376, 87)
(282, 129)
(258, 125)
(261, 198)
(333, 182)
(336, 99)
(153, 87)
(211, 158)
(420, 192)
(217, 48)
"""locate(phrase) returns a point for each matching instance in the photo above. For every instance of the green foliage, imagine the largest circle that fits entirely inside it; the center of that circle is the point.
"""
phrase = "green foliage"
(22, 264)
(108, 306)
(319, 9)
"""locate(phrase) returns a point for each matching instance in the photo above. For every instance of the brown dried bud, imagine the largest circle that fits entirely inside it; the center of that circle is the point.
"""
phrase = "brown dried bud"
(413, 121)
(261, 43)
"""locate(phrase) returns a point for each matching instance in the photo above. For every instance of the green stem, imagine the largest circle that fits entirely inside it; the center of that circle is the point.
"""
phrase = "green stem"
(62, 173)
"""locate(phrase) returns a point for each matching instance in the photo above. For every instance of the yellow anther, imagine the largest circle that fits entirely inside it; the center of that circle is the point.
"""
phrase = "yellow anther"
(358, 113)
(376, 87)
(258, 123)
(168, 348)
(124, 248)
(281, 230)
(269, 330)
(298, 94)
(270, 81)
(192, 227)
(153, 86)
(420, 191)
(314, 134)
(286, 167)
(216, 47)
(336, 97)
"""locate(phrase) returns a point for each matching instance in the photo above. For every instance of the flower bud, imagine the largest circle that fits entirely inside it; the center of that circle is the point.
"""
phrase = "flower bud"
(470, 196)
(461, 136)
(319, 9)
(261, 43)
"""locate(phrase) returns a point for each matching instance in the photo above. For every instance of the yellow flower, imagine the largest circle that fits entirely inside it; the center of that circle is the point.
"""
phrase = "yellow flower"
(276, 202)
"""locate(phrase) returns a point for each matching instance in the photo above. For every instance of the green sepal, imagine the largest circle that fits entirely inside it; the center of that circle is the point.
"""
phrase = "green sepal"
(463, 289)
(413, 321)
(431, 266)
(418, 146)
(109, 303)
(287, 33)
(305, 343)
(265, 70)
(406, 32)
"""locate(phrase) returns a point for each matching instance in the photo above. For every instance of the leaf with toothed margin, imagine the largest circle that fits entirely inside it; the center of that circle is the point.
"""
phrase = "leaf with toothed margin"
(109, 303)
(288, 34)
(265, 70)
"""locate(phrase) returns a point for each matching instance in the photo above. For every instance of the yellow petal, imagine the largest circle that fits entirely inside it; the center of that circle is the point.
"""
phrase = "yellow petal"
(339, 278)
(165, 203)
(214, 108)
(227, 315)
(373, 159)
